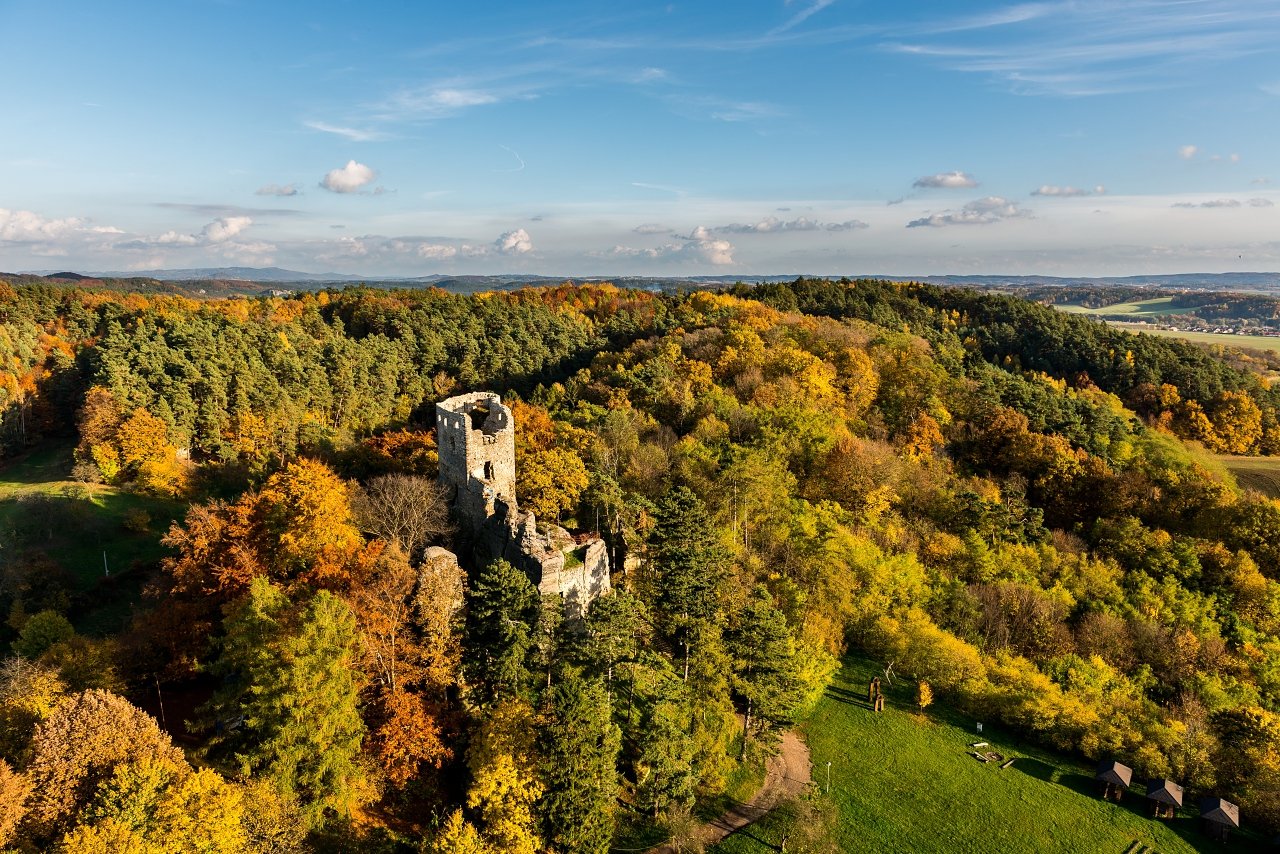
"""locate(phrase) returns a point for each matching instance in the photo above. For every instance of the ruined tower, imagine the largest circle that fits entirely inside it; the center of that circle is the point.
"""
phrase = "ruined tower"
(476, 438)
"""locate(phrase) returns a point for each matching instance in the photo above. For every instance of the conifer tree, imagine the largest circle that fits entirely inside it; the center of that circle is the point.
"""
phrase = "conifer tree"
(502, 606)
(580, 746)
(289, 709)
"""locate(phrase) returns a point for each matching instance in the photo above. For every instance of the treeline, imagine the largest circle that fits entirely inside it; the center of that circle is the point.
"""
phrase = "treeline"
(1199, 397)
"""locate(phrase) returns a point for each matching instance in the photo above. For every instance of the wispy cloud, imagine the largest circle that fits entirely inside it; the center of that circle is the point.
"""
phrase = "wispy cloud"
(807, 12)
(773, 225)
(433, 102)
(1187, 152)
(1068, 191)
(1093, 47)
(278, 190)
(978, 212)
(353, 134)
(1211, 203)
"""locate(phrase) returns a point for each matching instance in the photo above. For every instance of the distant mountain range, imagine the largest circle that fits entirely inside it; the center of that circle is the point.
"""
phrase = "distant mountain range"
(241, 279)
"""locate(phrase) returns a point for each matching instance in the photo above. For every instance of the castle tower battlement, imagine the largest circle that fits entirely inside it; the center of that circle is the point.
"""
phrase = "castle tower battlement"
(476, 439)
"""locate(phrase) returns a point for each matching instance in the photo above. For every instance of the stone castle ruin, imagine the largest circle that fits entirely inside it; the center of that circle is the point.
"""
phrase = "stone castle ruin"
(476, 439)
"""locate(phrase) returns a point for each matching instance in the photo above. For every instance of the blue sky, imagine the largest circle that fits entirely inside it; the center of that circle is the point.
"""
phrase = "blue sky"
(814, 136)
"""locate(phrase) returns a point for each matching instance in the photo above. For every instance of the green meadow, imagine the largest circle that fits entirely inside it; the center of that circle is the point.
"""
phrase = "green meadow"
(905, 782)
(100, 540)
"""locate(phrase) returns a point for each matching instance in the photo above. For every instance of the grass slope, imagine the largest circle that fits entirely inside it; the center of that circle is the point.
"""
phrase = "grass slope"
(904, 783)
(43, 511)
(1260, 473)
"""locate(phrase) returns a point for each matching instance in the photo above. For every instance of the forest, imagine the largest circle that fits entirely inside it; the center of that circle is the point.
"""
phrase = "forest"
(1022, 509)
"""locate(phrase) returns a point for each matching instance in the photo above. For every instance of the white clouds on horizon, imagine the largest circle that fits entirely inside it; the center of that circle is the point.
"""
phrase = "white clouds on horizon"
(978, 212)
(349, 178)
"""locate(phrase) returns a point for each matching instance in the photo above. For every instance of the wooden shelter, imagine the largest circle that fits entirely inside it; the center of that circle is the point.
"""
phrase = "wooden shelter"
(1165, 796)
(1113, 778)
(1219, 817)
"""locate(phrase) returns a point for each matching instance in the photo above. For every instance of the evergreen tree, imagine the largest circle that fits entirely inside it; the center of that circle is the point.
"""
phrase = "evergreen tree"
(580, 746)
(764, 665)
(502, 607)
(289, 708)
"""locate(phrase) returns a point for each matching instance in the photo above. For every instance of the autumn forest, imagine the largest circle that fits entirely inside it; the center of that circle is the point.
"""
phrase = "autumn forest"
(1024, 511)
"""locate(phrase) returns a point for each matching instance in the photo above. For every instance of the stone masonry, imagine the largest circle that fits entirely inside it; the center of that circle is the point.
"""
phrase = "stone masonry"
(475, 436)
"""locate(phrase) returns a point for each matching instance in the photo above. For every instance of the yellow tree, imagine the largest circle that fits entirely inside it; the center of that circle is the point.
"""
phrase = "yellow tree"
(1238, 422)
(505, 785)
(458, 836)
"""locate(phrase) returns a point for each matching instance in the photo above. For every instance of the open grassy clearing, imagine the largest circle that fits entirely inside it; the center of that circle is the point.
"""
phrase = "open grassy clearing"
(45, 513)
(1152, 307)
(1260, 473)
(905, 783)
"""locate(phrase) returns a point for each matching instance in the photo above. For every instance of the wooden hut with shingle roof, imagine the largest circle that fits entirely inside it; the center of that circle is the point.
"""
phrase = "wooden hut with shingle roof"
(1113, 778)
(1165, 796)
(1219, 817)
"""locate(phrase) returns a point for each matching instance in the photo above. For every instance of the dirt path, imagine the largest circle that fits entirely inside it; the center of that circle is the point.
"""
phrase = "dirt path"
(786, 775)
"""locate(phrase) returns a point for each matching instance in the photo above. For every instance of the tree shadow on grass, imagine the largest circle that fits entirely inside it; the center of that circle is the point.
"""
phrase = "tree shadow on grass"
(843, 695)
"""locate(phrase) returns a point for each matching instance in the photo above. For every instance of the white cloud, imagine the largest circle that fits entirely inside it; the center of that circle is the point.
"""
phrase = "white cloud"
(353, 134)
(30, 227)
(1187, 152)
(1068, 191)
(946, 180)
(651, 228)
(1261, 203)
(847, 225)
(222, 230)
(698, 246)
(349, 178)
(278, 190)
(1271, 88)
(218, 232)
(978, 212)
(1260, 182)
(515, 242)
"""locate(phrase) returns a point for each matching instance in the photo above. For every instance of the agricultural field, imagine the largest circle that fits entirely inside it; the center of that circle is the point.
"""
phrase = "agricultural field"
(1260, 473)
(1152, 307)
(1240, 342)
(98, 539)
(903, 782)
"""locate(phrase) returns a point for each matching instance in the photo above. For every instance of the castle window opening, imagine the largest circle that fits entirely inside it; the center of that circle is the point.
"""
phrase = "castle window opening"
(488, 471)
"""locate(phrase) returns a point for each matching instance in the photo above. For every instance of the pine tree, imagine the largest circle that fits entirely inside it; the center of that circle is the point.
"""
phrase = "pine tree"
(764, 665)
(502, 606)
(580, 746)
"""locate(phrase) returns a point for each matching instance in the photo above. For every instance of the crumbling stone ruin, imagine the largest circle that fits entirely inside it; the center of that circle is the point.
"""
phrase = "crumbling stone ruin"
(476, 439)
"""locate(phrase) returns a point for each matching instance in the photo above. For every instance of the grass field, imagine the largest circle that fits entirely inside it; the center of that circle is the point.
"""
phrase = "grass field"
(1147, 307)
(1260, 473)
(74, 525)
(904, 783)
